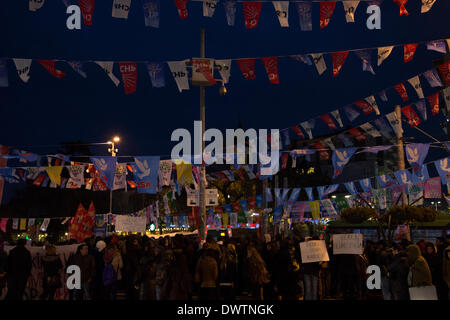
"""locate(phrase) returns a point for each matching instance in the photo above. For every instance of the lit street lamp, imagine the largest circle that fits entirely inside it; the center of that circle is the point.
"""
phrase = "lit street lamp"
(113, 151)
(436, 204)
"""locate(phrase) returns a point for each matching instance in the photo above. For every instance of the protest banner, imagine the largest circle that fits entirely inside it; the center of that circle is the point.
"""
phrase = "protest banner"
(314, 251)
(351, 243)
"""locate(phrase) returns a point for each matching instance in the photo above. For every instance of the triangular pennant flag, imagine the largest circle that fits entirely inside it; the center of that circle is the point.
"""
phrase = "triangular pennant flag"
(54, 173)
(421, 106)
(365, 184)
(366, 59)
(298, 131)
(433, 101)
(247, 67)
(365, 107)
(282, 11)
(409, 50)
(357, 134)
(446, 95)
(121, 8)
(78, 67)
(328, 121)
(304, 10)
(326, 11)
(322, 150)
(224, 67)
(367, 127)
(386, 181)
(345, 140)
(271, 65)
(350, 8)
(426, 5)
(413, 118)
(437, 45)
(395, 123)
(400, 88)
(319, 62)
(401, 4)
(230, 9)
(156, 72)
(209, 6)
(23, 68)
(432, 78)
(107, 66)
(302, 58)
(337, 116)
(252, 11)
(351, 188)
(383, 53)
(87, 10)
(129, 76)
(443, 168)
(340, 158)
(403, 177)
(321, 192)
(415, 83)
(35, 4)
(151, 13)
(329, 143)
(338, 60)
(416, 153)
(383, 95)
(180, 74)
(445, 72)
(309, 192)
(350, 112)
(371, 100)
(182, 9)
(306, 127)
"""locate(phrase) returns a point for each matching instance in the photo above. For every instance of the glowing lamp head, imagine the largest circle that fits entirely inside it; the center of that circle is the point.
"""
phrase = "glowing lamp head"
(116, 139)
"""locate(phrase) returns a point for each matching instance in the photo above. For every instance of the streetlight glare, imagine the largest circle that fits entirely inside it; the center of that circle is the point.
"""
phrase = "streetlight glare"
(109, 142)
(116, 139)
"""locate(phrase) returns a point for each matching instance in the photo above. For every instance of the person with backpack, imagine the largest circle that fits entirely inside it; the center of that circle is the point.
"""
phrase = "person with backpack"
(113, 271)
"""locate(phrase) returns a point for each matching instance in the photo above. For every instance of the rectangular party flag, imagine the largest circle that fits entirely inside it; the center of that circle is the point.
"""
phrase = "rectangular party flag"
(409, 50)
(120, 177)
(328, 121)
(129, 76)
(224, 67)
(182, 9)
(230, 10)
(420, 174)
(326, 11)
(252, 11)
(329, 208)
(415, 83)
(306, 127)
(443, 168)
(151, 13)
(315, 209)
(403, 176)
(415, 195)
(282, 11)
(365, 107)
(385, 181)
(121, 8)
(87, 10)
(271, 65)
(357, 134)
(365, 184)
(426, 5)
(366, 59)
(411, 115)
(433, 101)
(184, 173)
(350, 112)
(304, 10)
(146, 173)
(416, 153)
(23, 68)
(50, 66)
(432, 78)
(444, 69)
(383, 53)
(369, 129)
(422, 108)
(156, 72)
(180, 74)
(351, 188)
(400, 88)
(165, 172)
(309, 193)
(338, 60)
(106, 166)
(349, 9)
(322, 150)
(247, 67)
(433, 188)
(340, 158)
(337, 116)
(319, 62)
(107, 66)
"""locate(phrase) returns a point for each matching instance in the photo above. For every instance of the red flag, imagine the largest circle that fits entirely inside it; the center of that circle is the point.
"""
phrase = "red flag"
(269, 140)
(338, 60)
(364, 106)
(413, 118)
(328, 121)
(247, 67)
(401, 91)
(252, 11)
(236, 207)
(357, 134)
(322, 152)
(298, 132)
(219, 210)
(87, 9)
(252, 203)
(271, 65)
(241, 174)
(409, 50)
(445, 72)
(203, 67)
(38, 181)
(401, 4)
(284, 160)
(182, 10)
(50, 66)
(433, 100)
(76, 224)
(129, 76)
(4, 150)
(326, 11)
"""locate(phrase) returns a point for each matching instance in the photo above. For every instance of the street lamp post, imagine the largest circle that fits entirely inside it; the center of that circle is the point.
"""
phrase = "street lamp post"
(113, 151)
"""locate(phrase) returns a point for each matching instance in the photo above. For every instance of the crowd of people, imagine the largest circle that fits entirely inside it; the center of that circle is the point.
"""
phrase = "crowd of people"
(181, 268)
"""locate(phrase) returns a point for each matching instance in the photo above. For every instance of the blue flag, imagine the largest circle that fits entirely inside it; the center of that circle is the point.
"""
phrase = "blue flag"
(345, 140)
(443, 168)
(421, 107)
(384, 128)
(321, 192)
(244, 205)
(156, 72)
(3, 73)
(106, 166)
(230, 10)
(78, 67)
(332, 188)
(309, 192)
(304, 10)
(383, 96)
(416, 153)
(432, 78)
(365, 184)
(351, 113)
(228, 209)
(151, 13)
(259, 201)
(294, 195)
(146, 173)
(340, 158)
(269, 197)
(403, 177)
(351, 187)
(366, 58)
(385, 181)
(302, 58)
(277, 213)
(420, 174)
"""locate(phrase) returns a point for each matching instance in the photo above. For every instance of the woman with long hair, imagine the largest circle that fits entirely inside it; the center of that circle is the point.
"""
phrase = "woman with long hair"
(257, 273)
(52, 279)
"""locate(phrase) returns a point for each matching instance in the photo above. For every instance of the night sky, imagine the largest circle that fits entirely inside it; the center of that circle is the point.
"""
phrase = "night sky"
(47, 111)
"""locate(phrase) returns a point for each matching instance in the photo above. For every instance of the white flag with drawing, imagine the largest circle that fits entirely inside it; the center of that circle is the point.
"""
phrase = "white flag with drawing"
(23, 67)
(415, 83)
(319, 62)
(180, 74)
(383, 53)
(108, 67)
(350, 8)
(121, 8)
(282, 11)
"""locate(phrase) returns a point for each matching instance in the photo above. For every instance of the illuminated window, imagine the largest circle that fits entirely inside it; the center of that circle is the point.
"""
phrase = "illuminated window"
(310, 170)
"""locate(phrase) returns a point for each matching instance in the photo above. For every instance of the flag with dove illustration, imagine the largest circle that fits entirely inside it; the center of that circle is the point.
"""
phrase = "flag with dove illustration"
(366, 185)
(146, 173)
(351, 187)
(106, 167)
(385, 180)
(443, 168)
(340, 158)
(420, 174)
(416, 153)
(403, 177)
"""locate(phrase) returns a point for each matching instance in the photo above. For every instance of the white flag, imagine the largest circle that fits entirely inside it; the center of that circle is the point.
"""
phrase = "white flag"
(120, 177)
(426, 5)
(121, 8)
(446, 95)
(224, 67)
(367, 127)
(180, 74)
(35, 4)
(350, 8)
(329, 143)
(319, 62)
(415, 82)
(394, 122)
(282, 11)
(371, 100)
(305, 126)
(23, 68)
(31, 222)
(76, 179)
(209, 6)
(45, 224)
(337, 116)
(229, 174)
(383, 53)
(108, 67)
(294, 162)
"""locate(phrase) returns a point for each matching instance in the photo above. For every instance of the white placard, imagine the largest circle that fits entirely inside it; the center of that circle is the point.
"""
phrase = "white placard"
(130, 224)
(211, 198)
(351, 243)
(314, 251)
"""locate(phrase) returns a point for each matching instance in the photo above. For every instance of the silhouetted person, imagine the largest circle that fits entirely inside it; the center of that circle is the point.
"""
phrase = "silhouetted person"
(18, 271)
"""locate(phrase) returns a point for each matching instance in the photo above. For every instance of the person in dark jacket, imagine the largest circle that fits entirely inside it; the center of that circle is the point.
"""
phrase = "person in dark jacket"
(18, 270)
(52, 279)
(228, 272)
(206, 275)
(434, 263)
(86, 262)
(3, 268)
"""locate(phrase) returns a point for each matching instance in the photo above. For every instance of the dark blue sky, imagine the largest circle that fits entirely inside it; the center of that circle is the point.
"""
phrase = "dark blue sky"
(46, 111)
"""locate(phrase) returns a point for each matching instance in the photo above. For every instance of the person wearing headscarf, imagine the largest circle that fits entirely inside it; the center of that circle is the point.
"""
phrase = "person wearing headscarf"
(419, 272)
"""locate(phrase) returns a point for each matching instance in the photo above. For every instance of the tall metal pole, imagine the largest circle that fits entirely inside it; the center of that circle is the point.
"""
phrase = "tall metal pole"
(113, 153)
(400, 153)
(202, 211)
